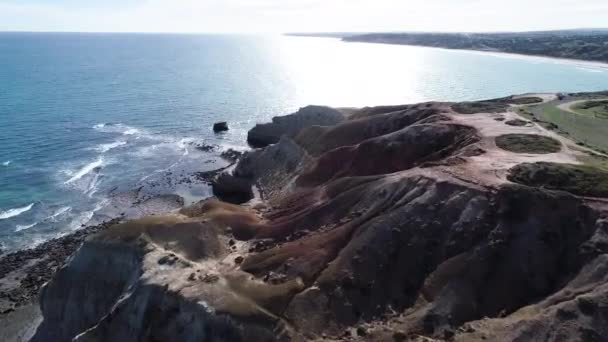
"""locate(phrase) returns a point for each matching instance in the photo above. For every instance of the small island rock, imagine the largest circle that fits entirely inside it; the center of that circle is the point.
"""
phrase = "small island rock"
(220, 126)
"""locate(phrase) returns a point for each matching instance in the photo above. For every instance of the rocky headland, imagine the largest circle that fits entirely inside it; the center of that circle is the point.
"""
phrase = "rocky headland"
(424, 222)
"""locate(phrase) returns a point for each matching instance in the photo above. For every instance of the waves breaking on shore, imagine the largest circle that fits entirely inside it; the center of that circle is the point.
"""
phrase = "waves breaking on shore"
(88, 189)
(85, 170)
(53, 217)
(15, 212)
(102, 148)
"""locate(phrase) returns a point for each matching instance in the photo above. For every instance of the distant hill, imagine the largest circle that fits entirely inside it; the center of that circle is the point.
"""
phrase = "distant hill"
(325, 34)
(589, 44)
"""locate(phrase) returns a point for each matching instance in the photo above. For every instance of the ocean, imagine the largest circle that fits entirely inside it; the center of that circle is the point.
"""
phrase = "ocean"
(89, 120)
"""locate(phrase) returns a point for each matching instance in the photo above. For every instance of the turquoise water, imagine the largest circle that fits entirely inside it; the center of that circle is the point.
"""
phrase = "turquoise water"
(86, 116)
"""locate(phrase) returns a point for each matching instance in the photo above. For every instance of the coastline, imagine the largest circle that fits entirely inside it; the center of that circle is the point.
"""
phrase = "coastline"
(499, 53)
(420, 221)
(584, 62)
(24, 272)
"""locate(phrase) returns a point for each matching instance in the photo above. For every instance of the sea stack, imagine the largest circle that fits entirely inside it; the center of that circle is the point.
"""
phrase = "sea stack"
(220, 126)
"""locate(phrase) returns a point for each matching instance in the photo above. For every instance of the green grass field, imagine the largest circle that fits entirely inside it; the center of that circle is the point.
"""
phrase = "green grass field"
(586, 129)
(596, 108)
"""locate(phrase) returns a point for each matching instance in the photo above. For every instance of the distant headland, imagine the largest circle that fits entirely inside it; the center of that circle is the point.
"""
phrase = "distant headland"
(582, 44)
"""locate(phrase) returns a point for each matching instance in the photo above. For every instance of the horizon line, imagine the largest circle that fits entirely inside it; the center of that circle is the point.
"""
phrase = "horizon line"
(303, 32)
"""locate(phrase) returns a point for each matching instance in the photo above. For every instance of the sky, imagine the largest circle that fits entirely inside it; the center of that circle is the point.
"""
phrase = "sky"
(277, 16)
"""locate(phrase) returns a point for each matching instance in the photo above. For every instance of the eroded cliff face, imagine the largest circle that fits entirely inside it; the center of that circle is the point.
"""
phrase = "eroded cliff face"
(386, 224)
(157, 279)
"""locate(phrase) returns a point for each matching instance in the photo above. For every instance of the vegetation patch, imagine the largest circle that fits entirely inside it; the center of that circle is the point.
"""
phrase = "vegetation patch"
(593, 159)
(370, 111)
(524, 100)
(590, 94)
(528, 143)
(526, 114)
(517, 122)
(596, 109)
(582, 180)
(493, 106)
(490, 106)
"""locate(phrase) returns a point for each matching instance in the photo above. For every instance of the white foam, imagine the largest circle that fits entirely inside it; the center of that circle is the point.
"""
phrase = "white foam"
(85, 217)
(92, 188)
(81, 220)
(20, 228)
(588, 69)
(85, 170)
(103, 148)
(59, 212)
(6, 163)
(183, 144)
(15, 212)
(117, 128)
(131, 131)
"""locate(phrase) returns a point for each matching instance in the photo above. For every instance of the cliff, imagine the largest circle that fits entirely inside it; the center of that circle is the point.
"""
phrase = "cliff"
(403, 223)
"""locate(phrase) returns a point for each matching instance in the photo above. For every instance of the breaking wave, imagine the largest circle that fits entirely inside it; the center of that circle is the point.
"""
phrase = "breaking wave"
(85, 218)
(53, 217)
(117, 128)
(24, 227)
(107, 147)
(85, 170)
(59, 212)
(131, 131)
(15, 212)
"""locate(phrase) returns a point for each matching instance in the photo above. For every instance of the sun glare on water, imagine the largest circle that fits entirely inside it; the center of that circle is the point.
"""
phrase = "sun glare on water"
(331, 73)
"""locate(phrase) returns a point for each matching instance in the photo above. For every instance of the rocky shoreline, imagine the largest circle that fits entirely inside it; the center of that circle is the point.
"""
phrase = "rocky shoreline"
(22, 273)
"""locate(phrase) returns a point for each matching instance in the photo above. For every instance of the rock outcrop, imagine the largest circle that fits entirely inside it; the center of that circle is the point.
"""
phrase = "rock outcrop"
(220, 126)
(391, 224)
(269, 133)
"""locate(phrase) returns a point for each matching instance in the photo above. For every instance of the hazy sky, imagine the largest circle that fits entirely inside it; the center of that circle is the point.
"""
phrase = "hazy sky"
(299, 15)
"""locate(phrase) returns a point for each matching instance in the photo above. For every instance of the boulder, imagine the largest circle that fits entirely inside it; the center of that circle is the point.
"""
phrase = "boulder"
(231, 189)
(220, 126)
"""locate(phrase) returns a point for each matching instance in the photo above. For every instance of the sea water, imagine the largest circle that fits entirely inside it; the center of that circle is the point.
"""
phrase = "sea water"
(84, 117)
